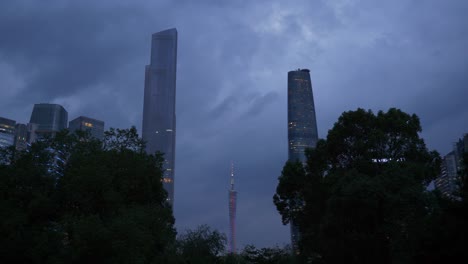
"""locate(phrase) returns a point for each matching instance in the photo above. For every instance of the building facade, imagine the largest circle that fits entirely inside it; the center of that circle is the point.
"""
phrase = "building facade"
(448, 182)
(93, 126)
(302, 125)
(21, 136)
(7, 132)
(159, 117)
(50, 119)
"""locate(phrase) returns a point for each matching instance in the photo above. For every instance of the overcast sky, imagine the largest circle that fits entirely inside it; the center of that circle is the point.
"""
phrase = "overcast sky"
(233, 59)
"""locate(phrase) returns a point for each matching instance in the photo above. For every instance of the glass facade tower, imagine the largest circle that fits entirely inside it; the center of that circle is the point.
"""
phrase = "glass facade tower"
(50, 119)
(159, 118)
(93, 126)
(302, 125)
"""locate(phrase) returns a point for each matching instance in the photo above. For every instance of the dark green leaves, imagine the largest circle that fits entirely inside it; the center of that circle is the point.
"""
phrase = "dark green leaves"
(362, 196)
(73, 199)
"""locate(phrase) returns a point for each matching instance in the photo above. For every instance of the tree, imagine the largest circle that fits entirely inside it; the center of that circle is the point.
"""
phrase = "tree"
(74, 199)
(201, 245)
(27, 208)
(274, 255)
(363, 195)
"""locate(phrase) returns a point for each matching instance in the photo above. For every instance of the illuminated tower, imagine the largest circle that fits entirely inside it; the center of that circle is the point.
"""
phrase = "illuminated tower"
(232, 213)
(159, 117)
(302, 125)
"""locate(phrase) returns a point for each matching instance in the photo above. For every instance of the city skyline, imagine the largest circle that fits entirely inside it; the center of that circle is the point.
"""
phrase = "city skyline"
(231, 95)
(45, 121)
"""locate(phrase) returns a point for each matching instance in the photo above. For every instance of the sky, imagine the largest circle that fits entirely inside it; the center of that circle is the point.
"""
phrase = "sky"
(233, 59)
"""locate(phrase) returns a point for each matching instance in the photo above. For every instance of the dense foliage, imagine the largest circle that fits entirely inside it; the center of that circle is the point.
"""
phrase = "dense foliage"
(73, 199)
(275, 255)
(201, 245)
(362, 196)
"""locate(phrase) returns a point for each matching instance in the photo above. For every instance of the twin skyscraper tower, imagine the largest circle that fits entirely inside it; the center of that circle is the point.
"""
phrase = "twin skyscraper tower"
(159, 116)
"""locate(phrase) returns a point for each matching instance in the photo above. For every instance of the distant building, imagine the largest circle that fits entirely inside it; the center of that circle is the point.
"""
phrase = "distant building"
(50, 119)
(21, 136)
(32, 135)
(448, 182)
(83, 123)
(302, 125)
(25, 135)
(7, 132)
(159, 118)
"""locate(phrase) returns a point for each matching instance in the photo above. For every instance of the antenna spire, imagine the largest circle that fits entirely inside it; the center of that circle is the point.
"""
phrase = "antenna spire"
(232, 175)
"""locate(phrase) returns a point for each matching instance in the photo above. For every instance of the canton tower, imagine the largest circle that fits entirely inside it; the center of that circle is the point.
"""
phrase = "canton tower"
(232, 213)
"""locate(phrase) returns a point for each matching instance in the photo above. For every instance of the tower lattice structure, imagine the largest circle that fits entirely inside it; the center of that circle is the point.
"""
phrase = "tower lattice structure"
(232, 212)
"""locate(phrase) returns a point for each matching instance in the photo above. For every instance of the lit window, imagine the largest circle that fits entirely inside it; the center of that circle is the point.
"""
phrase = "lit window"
(169, 130)
(87, 124)
(166, 180)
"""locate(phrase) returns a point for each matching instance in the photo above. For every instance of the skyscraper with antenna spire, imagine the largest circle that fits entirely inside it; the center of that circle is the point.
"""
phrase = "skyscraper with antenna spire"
(232, 213)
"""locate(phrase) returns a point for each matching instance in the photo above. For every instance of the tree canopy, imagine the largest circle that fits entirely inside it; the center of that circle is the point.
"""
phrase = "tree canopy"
(202, 245)
(361, 197)
(78, 200)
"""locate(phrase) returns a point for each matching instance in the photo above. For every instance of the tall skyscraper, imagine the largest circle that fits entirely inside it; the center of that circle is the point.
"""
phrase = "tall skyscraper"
(93, 126)
(159, 117)
(232, 213)
(302, 125)
(7, 132)
(50, 118)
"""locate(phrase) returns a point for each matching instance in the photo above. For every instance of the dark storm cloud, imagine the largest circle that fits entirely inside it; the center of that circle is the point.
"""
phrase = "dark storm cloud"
(226, 105)
(63, 48)
(233, 59)
(258, 103)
